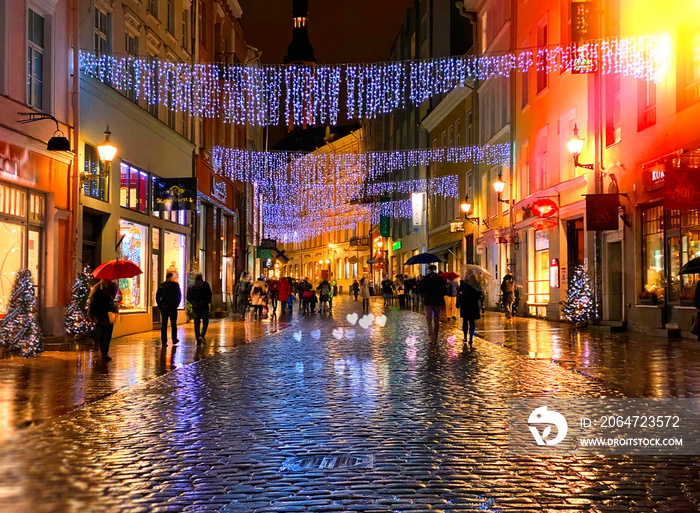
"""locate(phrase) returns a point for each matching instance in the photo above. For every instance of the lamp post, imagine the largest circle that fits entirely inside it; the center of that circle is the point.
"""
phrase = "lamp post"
(575, 146)
(106, 151)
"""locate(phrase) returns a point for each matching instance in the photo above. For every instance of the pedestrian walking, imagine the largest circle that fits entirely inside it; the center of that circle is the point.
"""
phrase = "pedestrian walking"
(273, 296)
(242, 290)
(401, 291)
(432, 289)
(355, 288)
(365, 294)
(284, 290)
(387, 290)
(508, 286)
(324, 291)
(470, 301)
(102, 303)
(452, 287)
(333, 292)
(258, 297)
(417, 297)
(168, 299)
(199, 296)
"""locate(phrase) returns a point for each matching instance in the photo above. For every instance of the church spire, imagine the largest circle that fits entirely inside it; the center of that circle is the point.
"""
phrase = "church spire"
(300, 50)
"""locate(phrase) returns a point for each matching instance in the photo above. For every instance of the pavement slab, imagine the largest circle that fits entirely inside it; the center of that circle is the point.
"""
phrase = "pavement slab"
(278, 424)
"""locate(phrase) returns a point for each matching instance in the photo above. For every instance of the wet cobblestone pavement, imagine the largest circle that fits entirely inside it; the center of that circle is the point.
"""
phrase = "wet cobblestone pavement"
(331, 416)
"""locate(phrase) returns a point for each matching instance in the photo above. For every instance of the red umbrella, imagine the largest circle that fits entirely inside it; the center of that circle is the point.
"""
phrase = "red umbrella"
(116, 269)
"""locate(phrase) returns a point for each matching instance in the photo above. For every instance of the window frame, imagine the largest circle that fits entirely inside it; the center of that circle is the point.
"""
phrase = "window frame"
(35, 101)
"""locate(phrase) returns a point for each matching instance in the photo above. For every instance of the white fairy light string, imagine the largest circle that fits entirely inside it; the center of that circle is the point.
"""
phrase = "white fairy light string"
(263, 95)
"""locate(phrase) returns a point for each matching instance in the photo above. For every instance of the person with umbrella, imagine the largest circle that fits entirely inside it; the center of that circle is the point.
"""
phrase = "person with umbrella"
(102, 303)
(168, 299)
(433, 290)
(470, 302)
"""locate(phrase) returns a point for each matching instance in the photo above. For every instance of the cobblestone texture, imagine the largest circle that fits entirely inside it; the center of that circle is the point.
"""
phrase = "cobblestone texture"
(213, 436)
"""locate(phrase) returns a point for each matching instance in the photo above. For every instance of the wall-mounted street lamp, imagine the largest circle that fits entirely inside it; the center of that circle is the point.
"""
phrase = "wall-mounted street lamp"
(466, 208)
(58, 141)
(106, 151)
(499, 185)
(575, 146)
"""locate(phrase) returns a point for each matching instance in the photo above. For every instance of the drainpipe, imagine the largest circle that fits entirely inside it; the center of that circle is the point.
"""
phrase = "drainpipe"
(74, 181)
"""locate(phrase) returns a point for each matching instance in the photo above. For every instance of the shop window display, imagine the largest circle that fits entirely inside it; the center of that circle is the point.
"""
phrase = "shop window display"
(174, 252)
(133, 247)
(653, 272)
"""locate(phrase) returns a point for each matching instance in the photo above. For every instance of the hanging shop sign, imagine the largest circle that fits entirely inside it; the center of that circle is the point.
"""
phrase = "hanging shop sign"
(544, 207)
(456, 226)
(268, 243)
(174, 194)
(264, 253)
(544, 224)
(352, 260)
(396, 245)
(653, 177)
(602, 212)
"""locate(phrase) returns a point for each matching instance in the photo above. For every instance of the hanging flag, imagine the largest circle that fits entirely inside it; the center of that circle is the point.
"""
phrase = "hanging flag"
(602, 212)
(681, 188)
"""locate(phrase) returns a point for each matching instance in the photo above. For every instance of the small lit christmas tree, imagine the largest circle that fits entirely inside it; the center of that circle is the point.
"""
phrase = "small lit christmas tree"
(77, 321)
(20, 327)
(579, 306)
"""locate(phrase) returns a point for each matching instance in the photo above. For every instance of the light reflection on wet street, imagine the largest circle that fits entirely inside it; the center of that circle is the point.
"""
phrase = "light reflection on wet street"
(234, 431)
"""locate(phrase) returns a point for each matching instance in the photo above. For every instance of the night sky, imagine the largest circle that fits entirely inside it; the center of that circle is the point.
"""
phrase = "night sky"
(352, 31)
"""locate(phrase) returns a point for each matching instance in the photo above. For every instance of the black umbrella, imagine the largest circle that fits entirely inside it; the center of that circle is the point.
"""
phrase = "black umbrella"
(423, 258)
(692, 267)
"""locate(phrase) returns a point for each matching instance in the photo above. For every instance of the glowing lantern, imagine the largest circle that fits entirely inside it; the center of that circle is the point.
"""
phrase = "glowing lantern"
(544, 208)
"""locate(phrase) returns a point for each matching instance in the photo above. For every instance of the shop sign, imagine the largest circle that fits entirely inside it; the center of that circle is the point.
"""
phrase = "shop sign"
(396, 245)
(9, 165)
(544, 207)
(264, 253)
(174, 194)
(583, 21)
(417, 206)
(268, 243)
(352, 260)
(544, 224)
(602, 212)
(456, 226)
(218, 189)
(384, 226)
(653, 178)
(267, 264)
(370, 261)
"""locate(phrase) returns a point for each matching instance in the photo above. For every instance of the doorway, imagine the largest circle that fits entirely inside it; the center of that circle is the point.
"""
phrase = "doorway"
(92, 236)
(612, 295)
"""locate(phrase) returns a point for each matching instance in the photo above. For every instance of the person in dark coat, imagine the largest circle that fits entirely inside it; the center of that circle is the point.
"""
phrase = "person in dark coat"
(470, 302)
(697, 301)
(433, 290)
(101, 302)
(199, 296)
(168, 300)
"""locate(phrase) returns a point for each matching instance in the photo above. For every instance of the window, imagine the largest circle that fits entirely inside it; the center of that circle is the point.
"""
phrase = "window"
(186, 29)
(653, 271)
(131, 45)
(450, 136)
(174, 251)
(646, 104)
(153, 102)
(458, 137)
(35, 59)
(525, 169)
(542, 42)
(96, 188)
(134, 188)
(134, 247)
(170, 16)
(541, 180)
(153, 8)
(612, 109)
(688, 79)
(470, 128)
(525, 81)
(102, 32)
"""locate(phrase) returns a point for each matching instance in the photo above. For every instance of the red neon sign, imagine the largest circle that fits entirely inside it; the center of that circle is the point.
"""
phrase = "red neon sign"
(544, 208)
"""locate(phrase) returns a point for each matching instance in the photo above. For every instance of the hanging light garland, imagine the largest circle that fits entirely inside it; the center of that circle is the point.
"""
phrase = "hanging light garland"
(257, 95)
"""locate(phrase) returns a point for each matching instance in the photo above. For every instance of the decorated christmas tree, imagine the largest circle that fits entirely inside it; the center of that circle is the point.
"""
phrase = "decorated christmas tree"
(77, 321)
(579, 306)
(20, 327)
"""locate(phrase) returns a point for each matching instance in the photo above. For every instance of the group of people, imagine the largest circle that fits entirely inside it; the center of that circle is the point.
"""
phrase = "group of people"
(103, 308)
(263, 296)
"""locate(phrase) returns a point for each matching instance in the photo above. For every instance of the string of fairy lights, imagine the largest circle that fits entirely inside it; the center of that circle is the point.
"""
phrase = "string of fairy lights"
(263, 95)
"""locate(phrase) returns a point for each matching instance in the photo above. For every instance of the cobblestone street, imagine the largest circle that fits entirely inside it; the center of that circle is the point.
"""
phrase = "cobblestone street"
(337, 414)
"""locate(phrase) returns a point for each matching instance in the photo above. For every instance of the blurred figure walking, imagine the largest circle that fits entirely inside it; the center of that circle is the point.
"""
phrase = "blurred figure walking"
(199, 296)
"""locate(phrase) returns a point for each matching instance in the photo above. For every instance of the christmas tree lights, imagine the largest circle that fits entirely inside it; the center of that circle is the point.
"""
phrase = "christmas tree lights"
(579, 306)
(20, 326)
(263, 95)
(77, 321)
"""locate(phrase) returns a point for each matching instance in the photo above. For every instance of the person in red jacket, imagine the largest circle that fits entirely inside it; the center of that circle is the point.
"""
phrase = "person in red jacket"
(284, 289)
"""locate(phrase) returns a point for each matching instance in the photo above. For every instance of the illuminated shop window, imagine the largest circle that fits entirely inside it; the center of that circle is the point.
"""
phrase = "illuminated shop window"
(133, 247)
(174, 253)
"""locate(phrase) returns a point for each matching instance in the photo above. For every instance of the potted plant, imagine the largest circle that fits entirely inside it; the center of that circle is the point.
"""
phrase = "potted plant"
(647, 297)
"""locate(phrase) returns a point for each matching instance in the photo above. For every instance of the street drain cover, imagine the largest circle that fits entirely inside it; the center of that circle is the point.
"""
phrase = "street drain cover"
(329, 462)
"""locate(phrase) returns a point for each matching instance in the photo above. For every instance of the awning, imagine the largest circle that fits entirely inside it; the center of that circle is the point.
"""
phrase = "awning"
(444, 248)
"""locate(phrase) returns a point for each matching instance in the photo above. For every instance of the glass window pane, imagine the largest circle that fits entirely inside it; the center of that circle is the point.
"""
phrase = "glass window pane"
(133, 247)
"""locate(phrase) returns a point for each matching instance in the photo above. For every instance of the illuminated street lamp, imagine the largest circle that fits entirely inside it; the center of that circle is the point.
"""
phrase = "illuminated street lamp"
(575, 146)
(466, 208)
(106, 151)
(499, 185)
